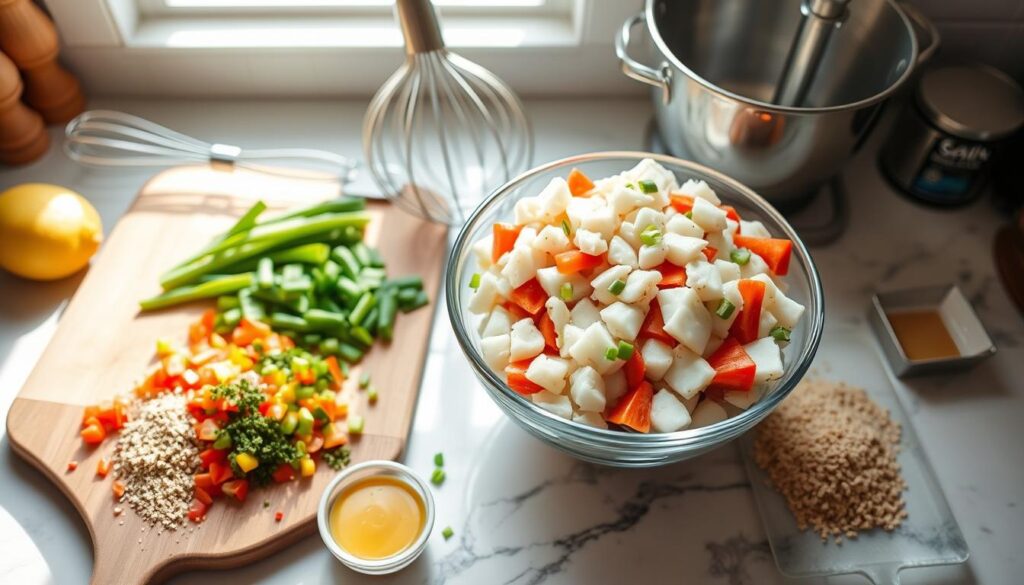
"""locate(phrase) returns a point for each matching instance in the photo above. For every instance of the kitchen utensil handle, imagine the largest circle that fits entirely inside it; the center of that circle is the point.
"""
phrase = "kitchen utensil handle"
(631, 67)
(420, 27)
(922, 22)
(883, 574)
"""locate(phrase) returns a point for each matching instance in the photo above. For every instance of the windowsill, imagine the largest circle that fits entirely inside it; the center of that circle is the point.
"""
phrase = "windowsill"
(363, 32)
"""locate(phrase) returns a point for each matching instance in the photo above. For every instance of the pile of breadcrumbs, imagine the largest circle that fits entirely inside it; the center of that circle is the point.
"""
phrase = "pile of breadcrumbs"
(831, 451)
(156, 459)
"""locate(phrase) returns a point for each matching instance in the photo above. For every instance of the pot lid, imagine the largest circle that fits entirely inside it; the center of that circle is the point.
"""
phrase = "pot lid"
(972, 102)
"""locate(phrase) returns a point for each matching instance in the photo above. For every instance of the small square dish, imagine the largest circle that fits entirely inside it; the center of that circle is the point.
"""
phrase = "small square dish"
(927, 330)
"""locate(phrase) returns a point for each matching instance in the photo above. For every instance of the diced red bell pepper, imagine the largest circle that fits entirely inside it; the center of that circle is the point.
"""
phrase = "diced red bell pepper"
(203, 496)
(775, 252)
(505, 235)
(278, 516)
(671, 275)
(530, 296)
(201, 329)
(197, 511)
(517, 381)
(284, 473)
(264, 407)
(710, 252)
(734, 370)
(515, 312)
(654, 326)
(547, 329)
(574, 261)
(72, 465)
(114, 417)
(249, 331)
(635, 369)
(335, 369)
(220, 472)
(205, 481)
(748, 321)
(634, 409)
(731, 213)
(579, 184)
(208, 456)
(237, 488)
(682, 203)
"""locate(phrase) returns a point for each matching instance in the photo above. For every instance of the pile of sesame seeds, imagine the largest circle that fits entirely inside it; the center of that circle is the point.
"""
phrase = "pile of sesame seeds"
(831, 451)
(156, 459)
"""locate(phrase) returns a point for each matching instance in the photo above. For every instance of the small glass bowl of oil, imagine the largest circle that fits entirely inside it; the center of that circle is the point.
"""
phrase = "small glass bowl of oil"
(376, 517)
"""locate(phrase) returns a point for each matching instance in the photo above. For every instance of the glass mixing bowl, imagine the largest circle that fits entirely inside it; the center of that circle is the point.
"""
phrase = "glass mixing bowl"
(615, 447)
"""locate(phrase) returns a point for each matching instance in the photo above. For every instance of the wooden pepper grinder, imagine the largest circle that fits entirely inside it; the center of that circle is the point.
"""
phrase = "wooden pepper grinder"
(29, 38)
(23, 136)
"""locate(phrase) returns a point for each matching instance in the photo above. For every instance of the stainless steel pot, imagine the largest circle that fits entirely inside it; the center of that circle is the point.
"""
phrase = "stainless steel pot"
(717, 65)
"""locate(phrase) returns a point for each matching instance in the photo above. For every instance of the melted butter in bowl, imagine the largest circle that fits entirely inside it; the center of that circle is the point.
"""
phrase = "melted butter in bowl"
(923, 335)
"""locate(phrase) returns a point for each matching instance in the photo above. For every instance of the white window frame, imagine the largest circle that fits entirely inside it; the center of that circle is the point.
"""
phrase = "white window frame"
(564, 47)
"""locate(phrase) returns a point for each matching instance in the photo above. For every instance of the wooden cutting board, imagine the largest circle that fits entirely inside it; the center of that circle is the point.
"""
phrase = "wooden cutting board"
(103, 345)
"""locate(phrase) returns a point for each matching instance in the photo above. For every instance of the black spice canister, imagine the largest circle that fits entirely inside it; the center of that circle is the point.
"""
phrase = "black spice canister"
(940, 149)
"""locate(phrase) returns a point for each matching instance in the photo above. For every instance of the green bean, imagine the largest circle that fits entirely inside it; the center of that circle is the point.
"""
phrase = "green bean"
(347, 260)
(265, 273)
(349, 290)
(252, 309)
(328, 304)
(286, 321)
(362, 253)
(361, 335)
(411, 281)
(376, 260)
(321, 319)
(231, 317)
(388, 309)
(329, 346)
(205, 290)
(350, 353)
(227, 302)
(370, 321)
(363, 306)
(420, 300)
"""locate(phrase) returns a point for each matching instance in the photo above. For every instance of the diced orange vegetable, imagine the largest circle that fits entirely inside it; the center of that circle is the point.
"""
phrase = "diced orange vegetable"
(734, 370)
(72, 465)
(103, 467)
(335, 369)
(238, 489)
(315, 443)
(775, 252)
(505, 235)
(530, 296)
(547, 329)
(573, 261)
(517, 381)
(671, 275)
(682, 203)
(112, 417)
(93, 433)
(200, 330)
(89, 412)
(654, 326)
(208, 456)
(745, 327)
(197, 511)
(202, 496)
(635, 369)
(334, 436)
(248, 331)
(731, 213)
(220, 472)
(579, 184)
(710, 252)
(278, 516)
(118, 488)
(634, 409)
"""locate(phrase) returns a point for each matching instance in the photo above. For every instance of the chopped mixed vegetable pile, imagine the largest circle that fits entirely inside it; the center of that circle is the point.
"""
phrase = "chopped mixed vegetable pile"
(633, 301)
(308, 274)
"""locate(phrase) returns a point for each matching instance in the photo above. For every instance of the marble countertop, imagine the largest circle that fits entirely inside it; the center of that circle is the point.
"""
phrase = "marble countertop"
(522, 512)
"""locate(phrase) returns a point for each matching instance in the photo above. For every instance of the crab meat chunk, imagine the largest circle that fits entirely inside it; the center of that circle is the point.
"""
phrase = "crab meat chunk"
(548, 373)
(586, 387)
(623, 320)
(526, 341)
(667, 413)
(657, 359)
(689, 373)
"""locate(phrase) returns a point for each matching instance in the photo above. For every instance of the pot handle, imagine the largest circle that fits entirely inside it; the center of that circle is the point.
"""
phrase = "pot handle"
(661, 77)
(927, 35)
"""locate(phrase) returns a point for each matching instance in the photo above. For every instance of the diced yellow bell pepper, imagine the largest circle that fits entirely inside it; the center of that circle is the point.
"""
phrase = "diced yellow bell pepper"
(246, 462)
(307, 467)
(164, 347)
(286, 393)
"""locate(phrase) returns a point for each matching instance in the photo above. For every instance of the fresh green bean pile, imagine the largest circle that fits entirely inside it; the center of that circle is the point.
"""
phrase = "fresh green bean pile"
(308, 274)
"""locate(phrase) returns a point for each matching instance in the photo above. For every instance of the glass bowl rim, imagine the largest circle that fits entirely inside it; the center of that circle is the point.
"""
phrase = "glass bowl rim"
(614, 438)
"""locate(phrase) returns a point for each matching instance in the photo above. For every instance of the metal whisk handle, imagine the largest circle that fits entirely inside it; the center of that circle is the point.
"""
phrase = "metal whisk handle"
(420, 27)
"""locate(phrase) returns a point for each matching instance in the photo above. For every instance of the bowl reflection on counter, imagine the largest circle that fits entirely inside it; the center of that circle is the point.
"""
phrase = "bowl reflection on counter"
(612, 447)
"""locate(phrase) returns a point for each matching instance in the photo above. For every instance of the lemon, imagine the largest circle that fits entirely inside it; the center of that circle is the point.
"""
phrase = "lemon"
(46, 231)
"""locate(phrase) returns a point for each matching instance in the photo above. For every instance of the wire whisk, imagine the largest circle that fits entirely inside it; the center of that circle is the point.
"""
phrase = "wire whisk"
(442, 131)
(109, 138)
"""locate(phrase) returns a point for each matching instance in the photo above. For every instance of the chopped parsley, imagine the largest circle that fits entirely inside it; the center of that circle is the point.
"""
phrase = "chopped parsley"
(337, 458)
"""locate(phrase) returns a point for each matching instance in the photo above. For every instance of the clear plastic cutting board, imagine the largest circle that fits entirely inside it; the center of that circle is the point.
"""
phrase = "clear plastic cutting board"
(929, 536)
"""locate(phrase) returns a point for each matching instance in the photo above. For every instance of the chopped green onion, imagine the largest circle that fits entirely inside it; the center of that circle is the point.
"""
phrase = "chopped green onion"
(631, 186)
(650, 236)
(566, 228)
(223, 440)
(617, 287)
(439, 459)
(265, 273)
(437, 478)
(355, 424)
(689, 214)
(364, 380)
(648, 186)
(474, 281)
(780, 334)
(371, 394)
(611, 354)
(625, 350)
(725, 308)
(565, 292)
(447, 532)
(740, 256)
